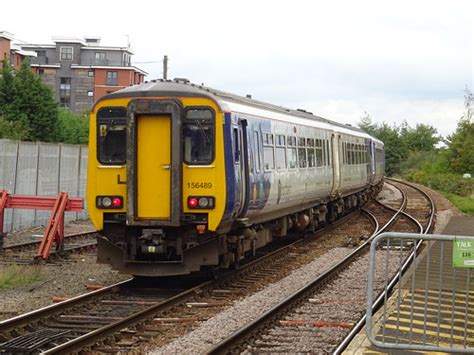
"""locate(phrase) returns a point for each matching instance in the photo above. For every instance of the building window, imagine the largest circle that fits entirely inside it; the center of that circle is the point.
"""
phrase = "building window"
(90, 73)
(90, 93)
(40, 71)
(126, 60)
(112, 78)
(66, 53)
(100, 58)
(65, 92)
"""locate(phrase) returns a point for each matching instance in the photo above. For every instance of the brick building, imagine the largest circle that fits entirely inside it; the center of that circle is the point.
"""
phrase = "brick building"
(79, 71)
(11, 52)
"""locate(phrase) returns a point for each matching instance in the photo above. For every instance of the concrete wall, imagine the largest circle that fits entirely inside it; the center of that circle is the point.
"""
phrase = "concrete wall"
(42, 169)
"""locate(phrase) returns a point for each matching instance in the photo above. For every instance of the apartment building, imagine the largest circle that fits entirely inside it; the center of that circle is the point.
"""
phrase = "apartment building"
(81, 70)
(11, 52)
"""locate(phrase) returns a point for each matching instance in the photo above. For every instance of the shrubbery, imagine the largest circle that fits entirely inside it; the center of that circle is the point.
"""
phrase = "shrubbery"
(412, 154)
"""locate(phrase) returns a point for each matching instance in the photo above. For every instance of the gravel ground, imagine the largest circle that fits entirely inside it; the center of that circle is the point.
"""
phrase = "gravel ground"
(215, 329)
(65, 279)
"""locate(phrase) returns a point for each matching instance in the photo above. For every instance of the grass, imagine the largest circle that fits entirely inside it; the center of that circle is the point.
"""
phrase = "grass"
(465, 204)
(13, 276)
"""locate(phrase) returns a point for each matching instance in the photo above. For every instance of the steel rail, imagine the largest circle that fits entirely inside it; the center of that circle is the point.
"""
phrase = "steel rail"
(55, 308)
(380, 298)
(233, 339)
(37, 242)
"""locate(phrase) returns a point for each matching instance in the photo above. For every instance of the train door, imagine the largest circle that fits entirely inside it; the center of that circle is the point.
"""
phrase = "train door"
(336, 163)
(371, 164)
(153, 166)
(154, 163)
(239, 137)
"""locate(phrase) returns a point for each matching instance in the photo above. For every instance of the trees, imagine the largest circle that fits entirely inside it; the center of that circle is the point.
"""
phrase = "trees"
(28, 110)
(461, 147)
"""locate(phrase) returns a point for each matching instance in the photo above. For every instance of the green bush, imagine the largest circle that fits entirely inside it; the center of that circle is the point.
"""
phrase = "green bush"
(18, 129)
(72, 128)
(445, 182)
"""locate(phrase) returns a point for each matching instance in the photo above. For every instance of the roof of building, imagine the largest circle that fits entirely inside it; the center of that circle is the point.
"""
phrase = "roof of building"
(7, 35)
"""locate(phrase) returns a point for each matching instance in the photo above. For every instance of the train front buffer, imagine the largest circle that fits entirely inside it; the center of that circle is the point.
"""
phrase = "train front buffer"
(167, 200)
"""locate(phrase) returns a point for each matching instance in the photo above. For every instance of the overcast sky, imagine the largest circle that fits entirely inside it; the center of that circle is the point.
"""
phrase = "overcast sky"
(396, 60)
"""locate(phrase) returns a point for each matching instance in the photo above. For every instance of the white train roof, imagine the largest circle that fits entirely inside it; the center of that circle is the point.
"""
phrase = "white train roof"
(235, 103)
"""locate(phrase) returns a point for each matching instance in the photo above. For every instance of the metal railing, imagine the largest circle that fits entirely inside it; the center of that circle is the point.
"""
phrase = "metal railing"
(429, 296)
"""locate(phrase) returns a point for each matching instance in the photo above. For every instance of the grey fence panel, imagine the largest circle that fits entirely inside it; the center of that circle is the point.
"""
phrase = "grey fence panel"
(41, 169)
(48, 176)
(431, 306)
(26, 178)
(8, 159)
(82, 180)
(69, 173)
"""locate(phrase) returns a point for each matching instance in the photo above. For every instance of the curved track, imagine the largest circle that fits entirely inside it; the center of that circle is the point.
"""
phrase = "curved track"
(275, 330)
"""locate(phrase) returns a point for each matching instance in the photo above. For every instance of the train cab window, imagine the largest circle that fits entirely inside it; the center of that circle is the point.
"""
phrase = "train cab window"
(268, 152)
(111, 135)
(302, 162)
(310, 153)
(198, 136)
(280, 152)
(292, 154)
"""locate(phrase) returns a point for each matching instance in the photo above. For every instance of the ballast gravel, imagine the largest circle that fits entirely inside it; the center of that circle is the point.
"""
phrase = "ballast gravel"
(212, 331)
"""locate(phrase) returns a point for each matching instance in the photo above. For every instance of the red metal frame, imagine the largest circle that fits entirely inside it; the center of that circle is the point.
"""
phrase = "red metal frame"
(54, 230)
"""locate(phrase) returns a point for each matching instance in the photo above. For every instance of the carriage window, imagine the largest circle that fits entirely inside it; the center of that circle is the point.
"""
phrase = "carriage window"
(268, 152)
(257, 151)
(310, 152)
(292, 155)
(319, 152)
(280, 152)
(329, 152)
(302, 153)
(198, 137)
(111, 135)
(325, 159)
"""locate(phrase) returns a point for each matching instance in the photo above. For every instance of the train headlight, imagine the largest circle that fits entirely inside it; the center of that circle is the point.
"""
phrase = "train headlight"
(106, 202)
(201, 202)
(109, 202)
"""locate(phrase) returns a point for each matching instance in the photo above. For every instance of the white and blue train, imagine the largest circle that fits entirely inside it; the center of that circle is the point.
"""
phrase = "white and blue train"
(183, 177)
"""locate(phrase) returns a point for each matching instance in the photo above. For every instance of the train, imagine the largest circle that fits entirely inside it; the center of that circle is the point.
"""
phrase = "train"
(183, 178)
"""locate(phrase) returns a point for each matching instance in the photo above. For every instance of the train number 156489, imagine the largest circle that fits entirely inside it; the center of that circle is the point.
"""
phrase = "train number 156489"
(199, 185)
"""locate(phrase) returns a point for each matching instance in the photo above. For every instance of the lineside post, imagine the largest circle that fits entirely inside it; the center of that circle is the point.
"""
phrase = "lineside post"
(3, 203)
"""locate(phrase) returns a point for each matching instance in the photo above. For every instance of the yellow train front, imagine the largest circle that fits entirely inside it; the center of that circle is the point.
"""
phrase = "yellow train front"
(183, 178)
(156, 179)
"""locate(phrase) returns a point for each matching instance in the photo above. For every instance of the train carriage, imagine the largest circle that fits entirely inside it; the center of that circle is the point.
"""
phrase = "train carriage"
(183, 177)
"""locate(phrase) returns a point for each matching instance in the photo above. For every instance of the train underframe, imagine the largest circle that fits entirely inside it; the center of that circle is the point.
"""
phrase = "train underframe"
(145, 251)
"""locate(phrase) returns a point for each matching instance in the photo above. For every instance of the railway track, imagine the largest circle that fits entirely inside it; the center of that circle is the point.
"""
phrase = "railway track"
(111, 333)
(24, 252)
(118, 319)
(319, 317)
